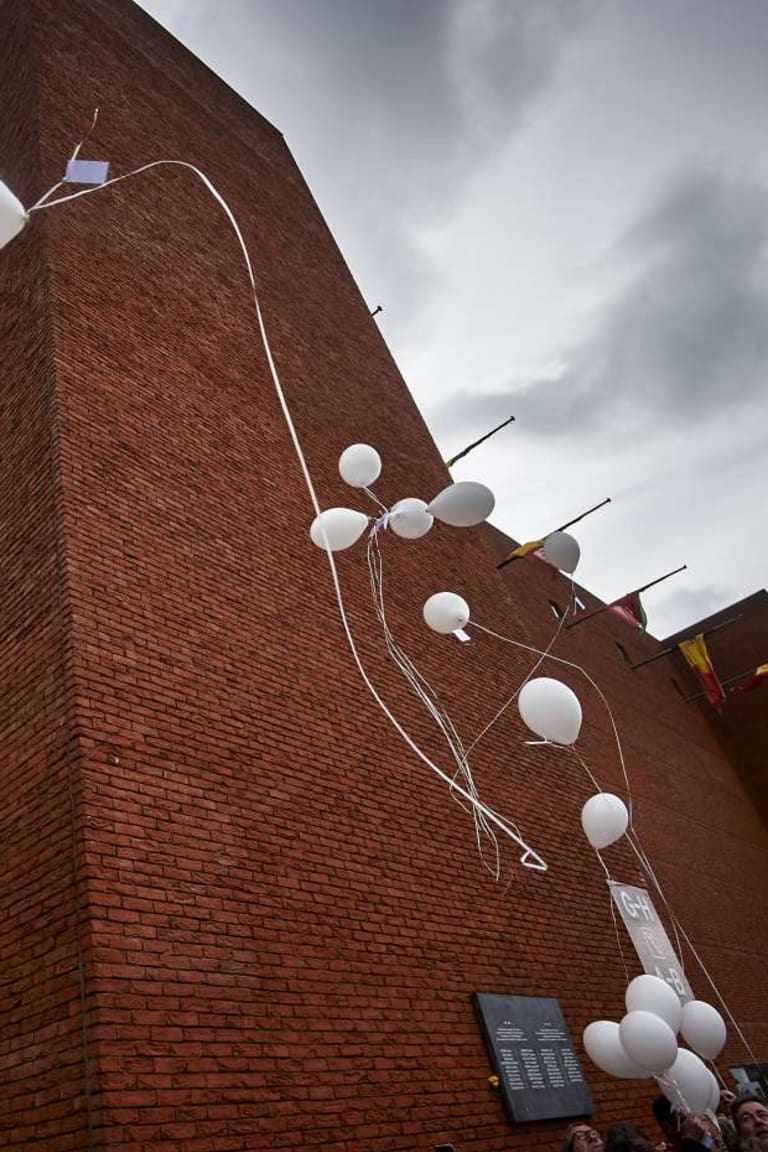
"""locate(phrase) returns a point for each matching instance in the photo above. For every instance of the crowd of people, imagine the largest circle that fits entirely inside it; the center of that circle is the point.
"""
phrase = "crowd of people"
(740, 1125)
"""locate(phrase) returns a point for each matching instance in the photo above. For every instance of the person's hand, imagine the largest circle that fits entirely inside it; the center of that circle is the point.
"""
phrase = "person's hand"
(693, 1128)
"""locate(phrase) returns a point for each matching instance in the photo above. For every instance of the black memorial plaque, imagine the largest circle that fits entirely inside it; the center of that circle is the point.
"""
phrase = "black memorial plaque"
(540, 1076)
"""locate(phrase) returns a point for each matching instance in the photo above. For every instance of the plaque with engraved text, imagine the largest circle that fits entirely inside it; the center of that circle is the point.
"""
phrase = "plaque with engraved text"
(540, 1076)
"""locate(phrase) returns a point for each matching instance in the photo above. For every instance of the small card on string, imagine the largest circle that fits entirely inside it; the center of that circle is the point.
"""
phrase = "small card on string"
(86, 171)
(460, 634)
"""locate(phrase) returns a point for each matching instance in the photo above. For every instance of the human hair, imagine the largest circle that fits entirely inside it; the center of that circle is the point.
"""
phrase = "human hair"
(740, 1101)
(627, 1138)
(567, 1142)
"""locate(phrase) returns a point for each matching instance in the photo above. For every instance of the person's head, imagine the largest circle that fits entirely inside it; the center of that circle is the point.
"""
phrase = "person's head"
(627, 1138)
(582, 1137)
(750, 1115)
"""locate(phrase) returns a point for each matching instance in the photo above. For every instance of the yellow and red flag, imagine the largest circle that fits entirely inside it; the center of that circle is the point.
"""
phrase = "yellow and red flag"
(697, 657)
(759, 676)
(523, 550)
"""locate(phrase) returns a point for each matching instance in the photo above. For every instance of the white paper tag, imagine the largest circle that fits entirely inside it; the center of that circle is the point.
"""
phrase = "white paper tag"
(86, 171)
(460, 634)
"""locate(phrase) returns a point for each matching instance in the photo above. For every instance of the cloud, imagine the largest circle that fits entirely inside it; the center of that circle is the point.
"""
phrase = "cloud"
(689, 603)
(685, 338)
(415, 97)
(503, 55)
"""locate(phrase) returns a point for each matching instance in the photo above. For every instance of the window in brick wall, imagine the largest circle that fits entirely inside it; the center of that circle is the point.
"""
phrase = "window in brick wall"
(557, 611)
(623, 652)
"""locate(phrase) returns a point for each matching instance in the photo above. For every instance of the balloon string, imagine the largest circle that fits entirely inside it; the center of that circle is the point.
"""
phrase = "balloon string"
(39, 203)
(612, 907)
(419, 686)
(588, 678)
(529, 858)
(718, 993)
(375, 499)
(642, 856)
(608, 878)
(680, 931)
(668, 1081)
(542, 657)
(429, 698)
(580, 759)
(422, 689)
(718, 1074)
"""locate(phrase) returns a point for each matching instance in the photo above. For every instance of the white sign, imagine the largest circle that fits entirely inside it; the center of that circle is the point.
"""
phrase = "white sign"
(649, 937)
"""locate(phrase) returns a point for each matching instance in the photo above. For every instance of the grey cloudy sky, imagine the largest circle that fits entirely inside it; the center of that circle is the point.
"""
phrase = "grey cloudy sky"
(562, 206)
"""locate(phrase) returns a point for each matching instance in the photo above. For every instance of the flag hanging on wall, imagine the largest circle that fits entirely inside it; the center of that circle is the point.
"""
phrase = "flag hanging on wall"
(523, 550)
(630, 609)
(759, 676)
(696, 656)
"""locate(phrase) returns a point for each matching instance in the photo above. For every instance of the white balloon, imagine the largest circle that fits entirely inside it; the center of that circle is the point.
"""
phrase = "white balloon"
(648, 1040)
(686, 1083)
(704, 1028)
(550, 709)
(12, 215)
(603, 1046)
(463, 505)
(343, 528)
(409, 518)
(445, 612)
(604, 819)
(359, 465)
(652, 994)
(562, 551)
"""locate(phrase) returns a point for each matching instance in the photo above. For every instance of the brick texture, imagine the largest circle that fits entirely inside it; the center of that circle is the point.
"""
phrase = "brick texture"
(237, 913)
(741, 725)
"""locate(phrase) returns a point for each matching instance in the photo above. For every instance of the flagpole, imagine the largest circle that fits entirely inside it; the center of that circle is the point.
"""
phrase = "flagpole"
(588, 512)
(723, 683)
(634, 592)
(562, 528)
(674, 648)
(450, 463)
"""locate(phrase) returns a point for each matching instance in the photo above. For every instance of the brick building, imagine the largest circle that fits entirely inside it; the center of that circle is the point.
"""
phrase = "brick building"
(236, 912)
(738, 645)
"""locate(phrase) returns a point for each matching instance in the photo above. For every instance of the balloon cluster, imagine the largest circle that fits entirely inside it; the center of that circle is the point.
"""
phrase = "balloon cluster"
(462, 505)
(645, 1043)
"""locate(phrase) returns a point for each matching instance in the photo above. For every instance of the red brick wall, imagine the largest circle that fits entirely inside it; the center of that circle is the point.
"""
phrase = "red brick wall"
(284, 912)
(43, 924)
(741, 724)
